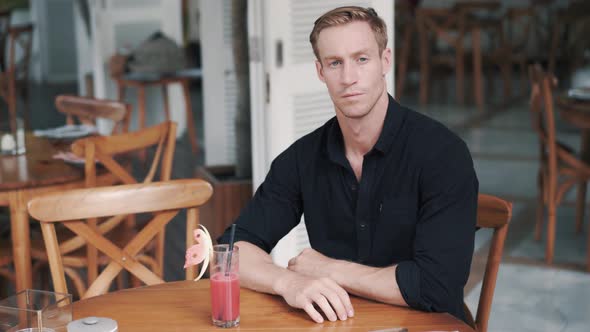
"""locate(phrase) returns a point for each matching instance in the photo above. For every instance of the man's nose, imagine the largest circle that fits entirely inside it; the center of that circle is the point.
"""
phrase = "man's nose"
(349, 73)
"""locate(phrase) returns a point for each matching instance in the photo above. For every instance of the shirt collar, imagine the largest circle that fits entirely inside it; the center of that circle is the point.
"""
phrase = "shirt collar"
(391, 126)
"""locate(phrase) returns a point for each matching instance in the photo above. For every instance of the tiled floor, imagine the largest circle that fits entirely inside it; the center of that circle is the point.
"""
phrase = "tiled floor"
(529, 295)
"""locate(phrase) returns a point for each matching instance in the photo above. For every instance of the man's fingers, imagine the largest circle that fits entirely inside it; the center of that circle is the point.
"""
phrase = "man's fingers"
(314, 314)
(336, 303)
(321, 301)
(344, 299)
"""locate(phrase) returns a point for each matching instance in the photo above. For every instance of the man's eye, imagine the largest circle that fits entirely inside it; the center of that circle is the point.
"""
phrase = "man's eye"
(335, 63)
(363, 59)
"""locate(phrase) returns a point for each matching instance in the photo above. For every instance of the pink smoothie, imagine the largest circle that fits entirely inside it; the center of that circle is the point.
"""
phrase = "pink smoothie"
(225, 297)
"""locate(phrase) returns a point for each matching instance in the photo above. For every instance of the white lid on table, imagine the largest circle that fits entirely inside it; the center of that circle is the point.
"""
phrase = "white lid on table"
(93, 324)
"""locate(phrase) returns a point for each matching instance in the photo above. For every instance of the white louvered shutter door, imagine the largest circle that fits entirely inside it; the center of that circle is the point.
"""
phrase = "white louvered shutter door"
(298, 102)
(219, 82)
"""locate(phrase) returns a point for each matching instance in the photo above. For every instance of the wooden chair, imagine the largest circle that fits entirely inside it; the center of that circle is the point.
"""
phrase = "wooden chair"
(163, 199)
(492, 213)
(14, 79)
(560, 168)
(515, 35)
(103, 149)
(86, 110)
(440, 25)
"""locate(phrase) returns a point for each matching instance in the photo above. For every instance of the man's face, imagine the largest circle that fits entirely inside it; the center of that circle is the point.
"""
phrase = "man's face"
(352, 68)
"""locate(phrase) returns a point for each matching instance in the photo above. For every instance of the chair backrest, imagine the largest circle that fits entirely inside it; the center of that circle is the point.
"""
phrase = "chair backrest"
(492, 213)
(104, 149)
(19, 52)
(542, 113)
(518, 24)
(163, 199)
(440, 24)
(86, 110)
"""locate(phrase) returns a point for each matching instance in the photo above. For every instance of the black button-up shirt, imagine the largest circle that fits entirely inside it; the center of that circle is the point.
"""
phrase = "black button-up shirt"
(415, 205)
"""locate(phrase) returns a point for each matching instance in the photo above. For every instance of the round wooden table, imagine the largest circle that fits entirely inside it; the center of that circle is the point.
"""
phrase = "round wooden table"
(24, 176)
(185, 305)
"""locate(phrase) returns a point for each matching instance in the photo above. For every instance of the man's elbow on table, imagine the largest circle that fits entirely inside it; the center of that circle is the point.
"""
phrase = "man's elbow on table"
(428, 292)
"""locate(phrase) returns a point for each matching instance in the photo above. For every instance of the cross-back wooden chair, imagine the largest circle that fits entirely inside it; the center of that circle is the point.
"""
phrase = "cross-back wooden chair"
(492, 213)
(72, 208)
(86, 110)
(14, 79)
(440, 25)
(560, 169)
(105, 149)
(515, 36)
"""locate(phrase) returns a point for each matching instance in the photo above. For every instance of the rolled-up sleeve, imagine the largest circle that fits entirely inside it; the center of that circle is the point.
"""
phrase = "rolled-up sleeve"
(443, 246)
(276, 207)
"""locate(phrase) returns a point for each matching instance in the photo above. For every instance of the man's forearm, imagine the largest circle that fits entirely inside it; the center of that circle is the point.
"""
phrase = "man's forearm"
(257, 270)
(374, 283)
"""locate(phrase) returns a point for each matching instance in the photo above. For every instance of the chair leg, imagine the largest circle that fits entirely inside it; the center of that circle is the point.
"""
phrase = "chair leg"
(540, 207)
(524, 83)
(580, 206)
(506, 77)
(551, 220)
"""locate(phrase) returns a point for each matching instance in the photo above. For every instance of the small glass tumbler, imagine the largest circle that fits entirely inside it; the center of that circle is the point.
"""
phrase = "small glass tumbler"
(36, 310)
(12, 137)
(225, 286)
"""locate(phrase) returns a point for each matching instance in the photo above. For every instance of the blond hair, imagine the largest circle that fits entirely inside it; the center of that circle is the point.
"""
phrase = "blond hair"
(345, 15)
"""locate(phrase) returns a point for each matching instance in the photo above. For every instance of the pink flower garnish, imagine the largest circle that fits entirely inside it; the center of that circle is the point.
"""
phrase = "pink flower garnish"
(199, 252)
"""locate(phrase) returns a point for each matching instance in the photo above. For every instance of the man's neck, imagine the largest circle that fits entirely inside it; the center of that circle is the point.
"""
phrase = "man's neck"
(360, 135)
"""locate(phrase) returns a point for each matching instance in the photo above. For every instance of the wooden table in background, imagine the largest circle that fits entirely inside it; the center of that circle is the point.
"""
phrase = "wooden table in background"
(185, 305)
(21, 178)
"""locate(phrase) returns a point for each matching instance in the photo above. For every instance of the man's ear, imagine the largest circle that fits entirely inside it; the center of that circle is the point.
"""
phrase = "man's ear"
(318, 68)
(386, 60)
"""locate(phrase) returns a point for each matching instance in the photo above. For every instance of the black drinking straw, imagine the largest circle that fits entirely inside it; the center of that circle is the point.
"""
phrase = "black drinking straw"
(231, 248)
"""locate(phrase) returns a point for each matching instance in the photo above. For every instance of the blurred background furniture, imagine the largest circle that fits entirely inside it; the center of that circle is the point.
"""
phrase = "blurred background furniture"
(86, 110)
(141, 81)
(515, 35)
(14, 77)
(105, 150)
(569, 37)
(163, 199)
(560, 169)
(25, 176)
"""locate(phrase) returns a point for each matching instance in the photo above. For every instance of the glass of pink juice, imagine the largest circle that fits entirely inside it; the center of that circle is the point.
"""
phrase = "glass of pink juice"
(225, 286)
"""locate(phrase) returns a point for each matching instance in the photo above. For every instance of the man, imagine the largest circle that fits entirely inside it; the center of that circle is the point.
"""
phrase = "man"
(389, 195)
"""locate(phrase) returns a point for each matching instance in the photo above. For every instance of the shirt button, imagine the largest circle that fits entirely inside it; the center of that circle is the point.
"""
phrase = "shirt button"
(363, 226)
(353, 187)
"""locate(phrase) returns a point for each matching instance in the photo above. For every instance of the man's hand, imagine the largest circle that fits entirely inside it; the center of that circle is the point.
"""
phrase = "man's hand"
(312, 263)
(304, 292)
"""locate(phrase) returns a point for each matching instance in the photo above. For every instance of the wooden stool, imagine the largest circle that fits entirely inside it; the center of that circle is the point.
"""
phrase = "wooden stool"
(141, 81)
